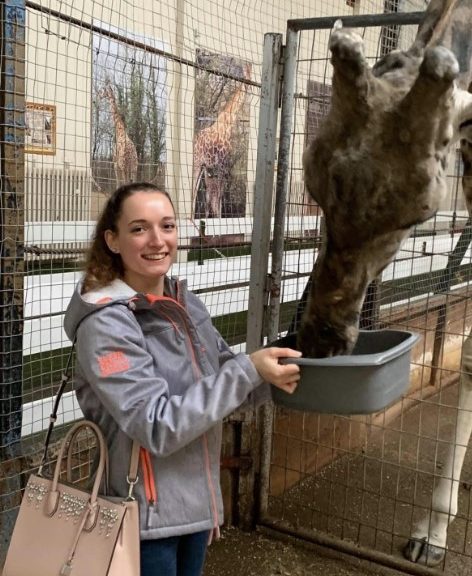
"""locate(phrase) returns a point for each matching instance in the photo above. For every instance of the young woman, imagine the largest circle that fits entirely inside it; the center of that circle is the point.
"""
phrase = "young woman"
(151, 367)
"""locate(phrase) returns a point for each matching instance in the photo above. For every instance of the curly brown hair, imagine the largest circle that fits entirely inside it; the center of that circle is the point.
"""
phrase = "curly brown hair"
(102, 266)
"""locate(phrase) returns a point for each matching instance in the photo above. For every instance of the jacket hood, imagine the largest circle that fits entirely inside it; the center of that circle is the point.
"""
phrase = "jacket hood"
(82, 305)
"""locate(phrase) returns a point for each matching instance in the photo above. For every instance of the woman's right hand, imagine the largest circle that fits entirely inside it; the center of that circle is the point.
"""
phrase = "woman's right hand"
(283, 376)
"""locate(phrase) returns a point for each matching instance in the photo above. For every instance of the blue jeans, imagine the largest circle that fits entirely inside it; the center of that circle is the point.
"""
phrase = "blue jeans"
(174, 556)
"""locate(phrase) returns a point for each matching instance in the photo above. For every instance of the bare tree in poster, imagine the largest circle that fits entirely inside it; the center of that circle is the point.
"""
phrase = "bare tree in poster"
(128, 115)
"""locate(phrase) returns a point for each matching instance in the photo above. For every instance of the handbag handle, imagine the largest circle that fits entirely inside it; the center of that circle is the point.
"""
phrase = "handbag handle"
(70, 463)
(53, 496)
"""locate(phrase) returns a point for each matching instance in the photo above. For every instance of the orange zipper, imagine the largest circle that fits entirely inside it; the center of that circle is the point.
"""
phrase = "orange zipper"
(149, 483)
(153, 299)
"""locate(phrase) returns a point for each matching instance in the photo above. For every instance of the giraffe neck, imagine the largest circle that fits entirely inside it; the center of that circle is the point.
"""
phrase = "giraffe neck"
(117, 118)
(119, 124)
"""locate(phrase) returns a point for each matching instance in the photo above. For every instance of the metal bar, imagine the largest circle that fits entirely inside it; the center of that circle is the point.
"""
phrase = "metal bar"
(283, 163)
(412, 315)
(136, 44)
(327, 541)
(257, 299)
(361, 21)
(264, 185)
(288, 91)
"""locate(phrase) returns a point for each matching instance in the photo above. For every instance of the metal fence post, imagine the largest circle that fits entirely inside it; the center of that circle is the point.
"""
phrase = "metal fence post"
(264, 190)
(283, 164)
(288, 92)
(12, 104)
(257, 305)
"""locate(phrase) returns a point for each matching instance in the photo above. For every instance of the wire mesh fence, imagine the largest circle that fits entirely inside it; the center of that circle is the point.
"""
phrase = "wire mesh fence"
(363, 483)
(98, 93)
(94, 94)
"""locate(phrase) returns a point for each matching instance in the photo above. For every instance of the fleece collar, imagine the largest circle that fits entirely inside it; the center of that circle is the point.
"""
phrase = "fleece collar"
(119, 290)
(116, 290)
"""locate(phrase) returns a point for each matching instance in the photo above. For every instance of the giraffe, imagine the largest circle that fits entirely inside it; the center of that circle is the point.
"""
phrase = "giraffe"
(125, 157)
(377, 168)
(214, 149)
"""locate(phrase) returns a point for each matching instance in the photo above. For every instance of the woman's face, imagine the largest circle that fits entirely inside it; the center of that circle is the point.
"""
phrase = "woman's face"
(146, 240)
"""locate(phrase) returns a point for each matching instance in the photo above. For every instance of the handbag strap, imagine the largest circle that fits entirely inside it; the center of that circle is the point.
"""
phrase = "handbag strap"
(132, 476)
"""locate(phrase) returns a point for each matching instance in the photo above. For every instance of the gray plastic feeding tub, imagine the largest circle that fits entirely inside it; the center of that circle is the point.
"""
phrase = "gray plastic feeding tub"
(372, 377)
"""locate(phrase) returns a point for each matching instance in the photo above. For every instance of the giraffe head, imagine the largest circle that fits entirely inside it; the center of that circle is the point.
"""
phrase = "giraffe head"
(106, 91)
(377, 168)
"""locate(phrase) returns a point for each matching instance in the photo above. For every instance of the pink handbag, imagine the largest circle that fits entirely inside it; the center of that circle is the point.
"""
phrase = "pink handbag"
(62, 530)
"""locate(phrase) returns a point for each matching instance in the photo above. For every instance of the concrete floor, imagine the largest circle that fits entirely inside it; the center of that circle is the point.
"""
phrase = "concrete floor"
(374, 498)
(268, 554)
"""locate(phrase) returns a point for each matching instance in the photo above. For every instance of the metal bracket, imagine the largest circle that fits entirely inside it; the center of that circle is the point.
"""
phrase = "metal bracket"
(236, 463)
(272, 288)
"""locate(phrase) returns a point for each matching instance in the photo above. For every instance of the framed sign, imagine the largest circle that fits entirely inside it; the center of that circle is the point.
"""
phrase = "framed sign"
(40, 128)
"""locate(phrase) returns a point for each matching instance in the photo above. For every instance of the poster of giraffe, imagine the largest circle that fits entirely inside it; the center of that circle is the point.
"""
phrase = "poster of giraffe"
(221, 136)
(129, 100)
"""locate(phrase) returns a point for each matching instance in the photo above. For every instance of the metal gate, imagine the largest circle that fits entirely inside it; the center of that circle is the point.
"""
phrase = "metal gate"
(356, 484)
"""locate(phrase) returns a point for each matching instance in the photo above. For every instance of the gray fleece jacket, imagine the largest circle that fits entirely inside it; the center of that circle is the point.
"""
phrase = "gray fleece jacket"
(155, 369)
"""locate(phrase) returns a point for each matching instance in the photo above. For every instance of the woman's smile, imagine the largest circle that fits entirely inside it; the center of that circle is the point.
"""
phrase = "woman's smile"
(155, 256)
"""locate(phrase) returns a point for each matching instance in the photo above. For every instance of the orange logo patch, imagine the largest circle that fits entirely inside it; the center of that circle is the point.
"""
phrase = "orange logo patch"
(113, 363)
